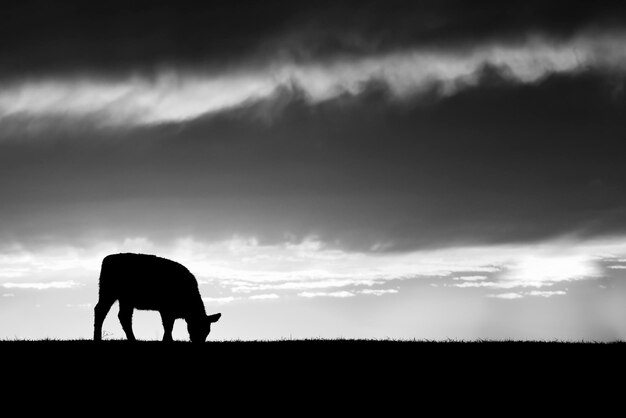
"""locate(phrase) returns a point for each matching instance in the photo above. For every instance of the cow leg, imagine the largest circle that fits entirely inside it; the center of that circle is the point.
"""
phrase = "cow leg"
(126, 319)
(100, 312)
(168, 326)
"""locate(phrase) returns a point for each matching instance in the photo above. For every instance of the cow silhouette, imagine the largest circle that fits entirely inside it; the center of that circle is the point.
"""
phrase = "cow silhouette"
(148, 282)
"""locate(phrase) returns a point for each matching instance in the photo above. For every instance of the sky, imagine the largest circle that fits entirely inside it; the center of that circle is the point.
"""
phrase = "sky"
(356, 169)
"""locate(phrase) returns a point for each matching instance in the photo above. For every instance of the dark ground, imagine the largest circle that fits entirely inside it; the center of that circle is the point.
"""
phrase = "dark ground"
(338, 375)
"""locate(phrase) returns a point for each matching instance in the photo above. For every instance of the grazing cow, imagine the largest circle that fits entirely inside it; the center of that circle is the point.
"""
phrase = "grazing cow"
(148, 282)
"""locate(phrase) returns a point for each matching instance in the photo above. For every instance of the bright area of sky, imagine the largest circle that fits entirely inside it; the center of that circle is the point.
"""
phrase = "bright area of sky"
(326, 172)
(552, 290)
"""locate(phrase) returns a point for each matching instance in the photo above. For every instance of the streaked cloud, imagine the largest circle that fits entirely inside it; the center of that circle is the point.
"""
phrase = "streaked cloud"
(542, 266)
(470, 278)
(378, 292)
(546, 293)
(519, 295)
(219, 300)
(244, 268)
(311, 283)
(265, 296)
(177, 95)
(69, 284)
(340, 294)
(509, 296)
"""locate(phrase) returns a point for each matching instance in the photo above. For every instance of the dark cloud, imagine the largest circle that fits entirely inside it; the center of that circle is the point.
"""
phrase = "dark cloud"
(499, 163)
(40, 38)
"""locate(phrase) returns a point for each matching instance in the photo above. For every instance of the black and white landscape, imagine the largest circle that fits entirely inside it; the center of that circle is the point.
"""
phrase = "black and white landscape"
(325, 169)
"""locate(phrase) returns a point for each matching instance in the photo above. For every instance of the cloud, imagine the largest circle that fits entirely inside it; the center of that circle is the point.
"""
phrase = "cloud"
(470, 278)
(546, 293)
(68, 284)
(116, 39)
(436, 180)
(305, 281)
(347, 294)
(509, 296)
(247, 266)
(341, 294)
(501, 284)
(546, 267)
(179, 95)
(219, 300)
(491, 285)
(519, 295)
(264, 296)
(377, 292)
(8, 295)
(553, 268)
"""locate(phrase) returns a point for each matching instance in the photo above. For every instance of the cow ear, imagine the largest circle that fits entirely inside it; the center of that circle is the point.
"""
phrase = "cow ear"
(214, 318)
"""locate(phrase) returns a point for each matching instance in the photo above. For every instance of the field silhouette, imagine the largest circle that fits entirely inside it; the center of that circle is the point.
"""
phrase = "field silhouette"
(342, 376)
(384, 357)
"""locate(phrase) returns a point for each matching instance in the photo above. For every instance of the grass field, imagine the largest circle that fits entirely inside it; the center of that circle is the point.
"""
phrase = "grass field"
(318, 370)
(385, 356)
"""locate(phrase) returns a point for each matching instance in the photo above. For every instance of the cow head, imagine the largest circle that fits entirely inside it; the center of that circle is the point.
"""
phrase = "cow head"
(200, 328)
